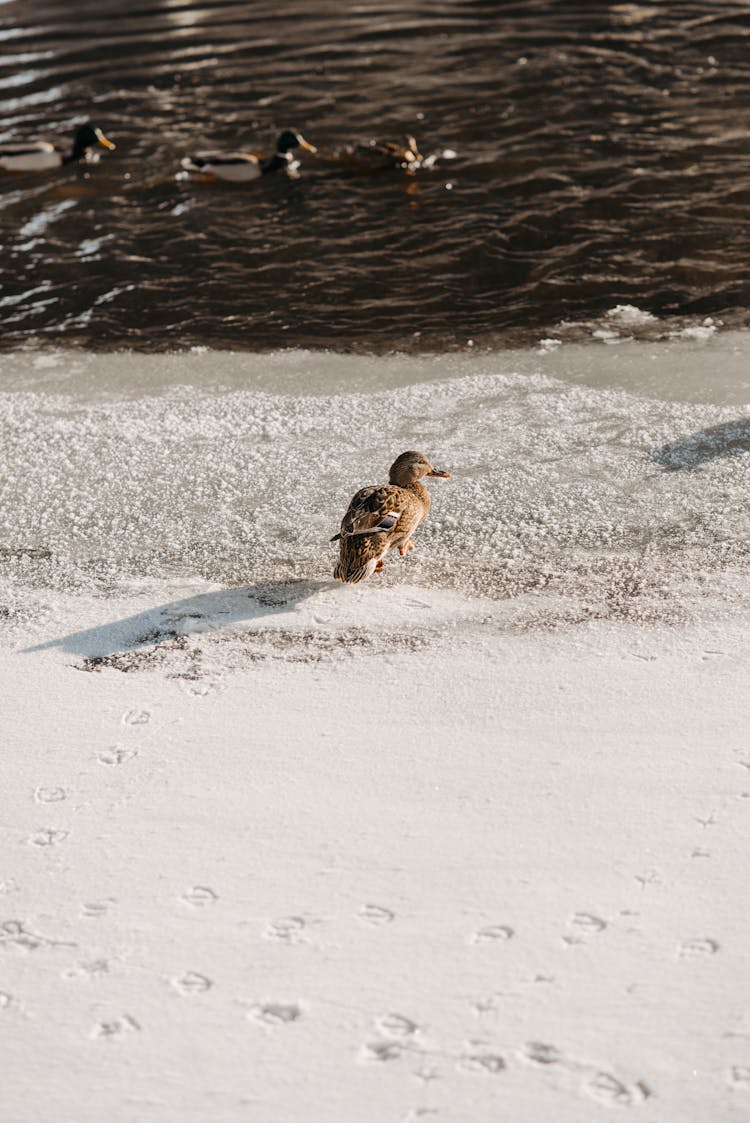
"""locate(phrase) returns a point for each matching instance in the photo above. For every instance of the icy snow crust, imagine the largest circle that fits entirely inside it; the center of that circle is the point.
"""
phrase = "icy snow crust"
(571, 499)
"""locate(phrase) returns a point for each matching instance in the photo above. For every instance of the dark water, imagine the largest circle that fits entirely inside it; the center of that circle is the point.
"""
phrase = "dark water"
(603, 156)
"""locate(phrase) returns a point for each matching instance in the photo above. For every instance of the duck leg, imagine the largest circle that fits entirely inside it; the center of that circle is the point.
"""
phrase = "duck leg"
(379, 567)
(406, 547)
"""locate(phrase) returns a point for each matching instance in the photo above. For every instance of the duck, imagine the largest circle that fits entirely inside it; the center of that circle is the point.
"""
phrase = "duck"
(40, 155)
(377, 156)
(389, 154)
(384, 517)
(241, 167)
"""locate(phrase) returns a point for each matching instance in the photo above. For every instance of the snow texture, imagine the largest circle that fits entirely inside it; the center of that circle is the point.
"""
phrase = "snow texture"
(466, 841)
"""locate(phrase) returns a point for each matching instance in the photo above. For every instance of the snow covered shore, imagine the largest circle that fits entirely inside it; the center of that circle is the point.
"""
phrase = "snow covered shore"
(466, 843)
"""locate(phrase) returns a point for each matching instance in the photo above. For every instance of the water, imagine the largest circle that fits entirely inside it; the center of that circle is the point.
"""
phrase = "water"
(600, 159)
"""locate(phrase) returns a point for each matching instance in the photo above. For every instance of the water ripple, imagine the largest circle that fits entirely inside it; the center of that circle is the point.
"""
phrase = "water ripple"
(601, 159)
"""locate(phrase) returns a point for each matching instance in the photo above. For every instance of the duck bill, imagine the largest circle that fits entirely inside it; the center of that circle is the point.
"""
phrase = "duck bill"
(306, 145)
(440, 475)
(103, 140)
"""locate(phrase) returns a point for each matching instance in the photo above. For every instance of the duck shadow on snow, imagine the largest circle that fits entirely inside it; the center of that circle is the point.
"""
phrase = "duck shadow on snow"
(731, 438)
(205, 612)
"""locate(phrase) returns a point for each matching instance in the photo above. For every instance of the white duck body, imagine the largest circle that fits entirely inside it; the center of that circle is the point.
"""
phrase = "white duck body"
(29, 156)
(233, 167)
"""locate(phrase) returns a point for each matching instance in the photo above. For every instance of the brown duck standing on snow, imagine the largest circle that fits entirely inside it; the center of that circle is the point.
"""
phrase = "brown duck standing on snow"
(384, 516)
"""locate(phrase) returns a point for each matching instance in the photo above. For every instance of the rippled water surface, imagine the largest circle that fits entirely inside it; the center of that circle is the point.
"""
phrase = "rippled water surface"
(601, 157)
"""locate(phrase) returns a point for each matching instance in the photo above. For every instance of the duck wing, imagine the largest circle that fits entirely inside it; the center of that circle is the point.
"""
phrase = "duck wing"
(373, 510)
(219, 159)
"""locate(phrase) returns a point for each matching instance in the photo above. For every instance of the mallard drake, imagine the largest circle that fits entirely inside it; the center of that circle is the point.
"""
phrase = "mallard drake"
(40, 155)
(382, 517)
(241, 167)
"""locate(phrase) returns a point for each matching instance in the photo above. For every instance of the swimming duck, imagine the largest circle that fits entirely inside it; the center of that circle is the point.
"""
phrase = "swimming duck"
(388, 154)
(40, 155)
(241, 167)
(376, 156)
(382, 517)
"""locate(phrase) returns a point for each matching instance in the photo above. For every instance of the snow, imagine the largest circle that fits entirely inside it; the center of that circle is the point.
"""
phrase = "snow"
(466, 840)
(629, 315)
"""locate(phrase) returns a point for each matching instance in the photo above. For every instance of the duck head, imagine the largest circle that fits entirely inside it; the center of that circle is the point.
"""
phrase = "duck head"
(290, 139)
(412, 466)
(86, 137)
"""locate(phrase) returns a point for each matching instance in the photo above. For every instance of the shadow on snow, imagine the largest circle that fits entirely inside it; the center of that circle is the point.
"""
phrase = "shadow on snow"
(205, 612)
(731, 438)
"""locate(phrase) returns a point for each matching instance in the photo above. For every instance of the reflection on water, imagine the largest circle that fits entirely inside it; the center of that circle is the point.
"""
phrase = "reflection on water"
(601, 159)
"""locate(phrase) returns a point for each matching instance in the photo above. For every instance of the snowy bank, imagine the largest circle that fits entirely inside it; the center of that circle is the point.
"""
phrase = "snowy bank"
(468, 840)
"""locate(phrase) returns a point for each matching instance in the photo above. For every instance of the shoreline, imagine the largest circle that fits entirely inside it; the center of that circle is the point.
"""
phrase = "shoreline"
(631, 354)
(620, 323)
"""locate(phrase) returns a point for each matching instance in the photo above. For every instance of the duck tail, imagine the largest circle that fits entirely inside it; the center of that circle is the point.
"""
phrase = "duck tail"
(350, 575)
(192, 163)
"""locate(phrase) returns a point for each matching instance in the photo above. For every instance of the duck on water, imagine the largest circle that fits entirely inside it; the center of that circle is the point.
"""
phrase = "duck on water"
(377, 156)
(40, 155)
(241, 167)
